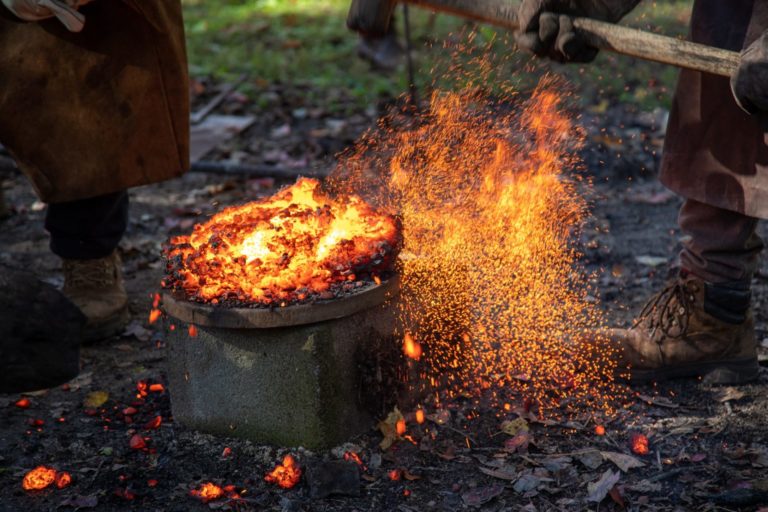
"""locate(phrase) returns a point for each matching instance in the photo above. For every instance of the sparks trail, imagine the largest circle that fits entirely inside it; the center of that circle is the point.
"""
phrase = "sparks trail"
(296, 246)
(491, 284)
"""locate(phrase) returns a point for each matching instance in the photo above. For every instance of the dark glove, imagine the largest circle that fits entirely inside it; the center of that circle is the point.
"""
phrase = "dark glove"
(750, 81)
(546, 30)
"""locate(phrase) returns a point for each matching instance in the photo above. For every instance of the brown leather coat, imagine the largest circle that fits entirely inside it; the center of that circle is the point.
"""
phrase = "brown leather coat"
(103, 110)
(714, 152)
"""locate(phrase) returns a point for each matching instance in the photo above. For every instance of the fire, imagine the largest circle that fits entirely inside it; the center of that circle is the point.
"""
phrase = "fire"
(297, 245)
(38, 478)
(491, 281)
(207, 492)
(286, 475)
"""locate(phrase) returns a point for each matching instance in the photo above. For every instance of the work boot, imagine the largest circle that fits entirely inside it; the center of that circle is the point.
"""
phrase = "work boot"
(692, 329)
(96, 287)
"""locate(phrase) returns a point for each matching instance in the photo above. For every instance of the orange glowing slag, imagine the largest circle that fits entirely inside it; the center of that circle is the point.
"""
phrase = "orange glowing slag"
(63, 479)
(286, 475)
(295, 246)
(411, 348)
(38, 478)
(492, 287)
(207, 492)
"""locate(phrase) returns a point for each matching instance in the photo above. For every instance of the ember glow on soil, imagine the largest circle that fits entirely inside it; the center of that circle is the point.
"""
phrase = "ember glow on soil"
(494, 301)
(295, 246)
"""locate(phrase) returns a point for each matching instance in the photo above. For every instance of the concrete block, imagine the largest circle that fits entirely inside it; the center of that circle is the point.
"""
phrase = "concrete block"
(296, 385)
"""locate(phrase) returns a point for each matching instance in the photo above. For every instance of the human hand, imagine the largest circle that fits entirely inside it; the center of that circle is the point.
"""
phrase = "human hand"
(749, 82)
(545, 26)
(35, 10)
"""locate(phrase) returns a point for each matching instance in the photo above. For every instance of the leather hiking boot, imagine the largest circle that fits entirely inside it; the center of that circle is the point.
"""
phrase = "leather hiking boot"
(692, 329)
(96, 287)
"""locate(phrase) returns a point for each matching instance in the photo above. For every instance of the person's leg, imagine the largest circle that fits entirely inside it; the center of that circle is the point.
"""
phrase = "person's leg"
(722, 245)
(700, 324)
(89, 228)
(85, 234)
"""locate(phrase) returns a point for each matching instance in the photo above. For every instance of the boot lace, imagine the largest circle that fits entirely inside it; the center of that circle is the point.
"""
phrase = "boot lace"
(668, 312)
(89, 273)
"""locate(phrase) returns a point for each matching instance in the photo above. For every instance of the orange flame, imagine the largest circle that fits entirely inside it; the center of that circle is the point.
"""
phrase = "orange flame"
(286, 475)
(288, 248)
(38, 478)
(207, 492)
(411, 348)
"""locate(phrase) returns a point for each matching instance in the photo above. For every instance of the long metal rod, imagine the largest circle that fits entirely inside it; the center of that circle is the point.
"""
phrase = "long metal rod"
(606, 36)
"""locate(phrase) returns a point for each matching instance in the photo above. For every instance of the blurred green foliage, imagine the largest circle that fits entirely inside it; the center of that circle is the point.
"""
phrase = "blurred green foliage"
(306, 43)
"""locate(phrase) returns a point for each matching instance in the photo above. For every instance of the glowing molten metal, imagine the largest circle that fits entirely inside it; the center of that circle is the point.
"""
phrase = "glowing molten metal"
(286, 475)
(38, 478)
(295, 246)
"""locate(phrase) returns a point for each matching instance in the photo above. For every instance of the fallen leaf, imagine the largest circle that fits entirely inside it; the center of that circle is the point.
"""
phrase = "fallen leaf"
(514, 427)
(591, 459)
(661, 401)
(624, 462)
(597, 491)
(617, 497)
(505, 473)
(95, 399)
(388, 428)
(723, 395)
(518, 443)
(526, 483)
(481, 495)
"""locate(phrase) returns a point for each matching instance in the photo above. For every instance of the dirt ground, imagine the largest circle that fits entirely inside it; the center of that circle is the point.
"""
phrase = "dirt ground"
(708, 446)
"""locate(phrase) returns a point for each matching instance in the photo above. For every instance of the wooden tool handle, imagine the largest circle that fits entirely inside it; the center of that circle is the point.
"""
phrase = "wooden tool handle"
(606, 36)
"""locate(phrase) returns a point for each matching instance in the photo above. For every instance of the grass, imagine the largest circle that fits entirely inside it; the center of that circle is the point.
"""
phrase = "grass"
(305, 44)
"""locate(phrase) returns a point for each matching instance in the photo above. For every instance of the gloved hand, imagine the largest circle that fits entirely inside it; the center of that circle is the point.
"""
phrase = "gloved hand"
(36, 10)
(750, 81)
(552, 35)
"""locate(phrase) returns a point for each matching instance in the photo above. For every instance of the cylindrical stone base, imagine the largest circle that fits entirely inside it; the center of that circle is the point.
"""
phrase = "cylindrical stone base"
(301, 384)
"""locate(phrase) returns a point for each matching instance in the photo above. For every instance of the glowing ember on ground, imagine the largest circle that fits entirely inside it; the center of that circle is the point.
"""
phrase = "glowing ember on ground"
(22, 403)
(599, 430)
(353, 457)
(38, 478)
(63, 479)
(295, 246)
(286, 475)
(207, 492)
(639, 444)
(420, 416)
(492, 287)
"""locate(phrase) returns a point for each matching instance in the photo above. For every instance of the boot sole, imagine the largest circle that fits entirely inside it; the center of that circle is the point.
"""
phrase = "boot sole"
(725, 372)
(112, 327)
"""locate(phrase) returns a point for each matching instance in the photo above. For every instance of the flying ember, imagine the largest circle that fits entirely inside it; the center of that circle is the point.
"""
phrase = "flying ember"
(296, 246)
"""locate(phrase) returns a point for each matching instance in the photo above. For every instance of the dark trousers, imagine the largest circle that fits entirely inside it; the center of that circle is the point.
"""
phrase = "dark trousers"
(722, 245)
(89, 228)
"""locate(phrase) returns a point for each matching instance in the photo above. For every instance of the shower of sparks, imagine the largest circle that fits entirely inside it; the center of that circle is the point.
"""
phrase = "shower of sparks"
(492, 287)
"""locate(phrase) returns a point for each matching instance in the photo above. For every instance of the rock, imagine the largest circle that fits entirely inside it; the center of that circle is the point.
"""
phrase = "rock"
(40, 334)
(334, 478)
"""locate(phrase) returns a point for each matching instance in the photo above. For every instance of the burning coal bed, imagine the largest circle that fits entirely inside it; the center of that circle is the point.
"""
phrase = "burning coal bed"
(276, 308)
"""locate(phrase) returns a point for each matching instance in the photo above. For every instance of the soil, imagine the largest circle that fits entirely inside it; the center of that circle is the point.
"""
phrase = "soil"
(708, 446)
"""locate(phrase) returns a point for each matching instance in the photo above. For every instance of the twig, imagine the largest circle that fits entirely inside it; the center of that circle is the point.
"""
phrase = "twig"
(667, 474)
(199, 115)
